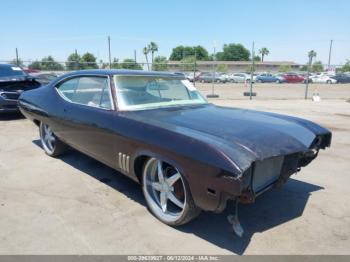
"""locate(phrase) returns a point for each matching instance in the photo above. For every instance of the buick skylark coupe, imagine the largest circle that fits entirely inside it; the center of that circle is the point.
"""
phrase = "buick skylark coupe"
(188, 155)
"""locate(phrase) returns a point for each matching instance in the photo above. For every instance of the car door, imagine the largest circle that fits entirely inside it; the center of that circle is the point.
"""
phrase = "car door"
(270, 78)
(88, 116)
(241, 78)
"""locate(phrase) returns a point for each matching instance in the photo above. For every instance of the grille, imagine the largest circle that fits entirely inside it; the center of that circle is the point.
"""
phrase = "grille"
(266, 172)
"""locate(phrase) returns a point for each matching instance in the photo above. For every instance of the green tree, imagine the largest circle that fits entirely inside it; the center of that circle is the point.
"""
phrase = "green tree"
(221, 68)
(264, 52)
(180, 52)
(317, 67)
(115, 63)
(160, 63)
(187, 64)
(303, 68)
(129, 63)
(177, 54)
(73, 62)
(145, 51)
(152, 47)
(311, 54)
(47, 63)
(36, 65)
(200, 52)
(88, 61)
(233, 52)
(257, 58)
(346, 67)
(284, 68)
(103, 65)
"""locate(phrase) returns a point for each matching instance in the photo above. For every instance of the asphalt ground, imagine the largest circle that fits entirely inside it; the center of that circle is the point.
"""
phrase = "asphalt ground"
(76, 205)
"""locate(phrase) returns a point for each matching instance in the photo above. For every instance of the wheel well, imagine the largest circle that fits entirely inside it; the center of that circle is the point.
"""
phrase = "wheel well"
(37, 122)
(138, 166)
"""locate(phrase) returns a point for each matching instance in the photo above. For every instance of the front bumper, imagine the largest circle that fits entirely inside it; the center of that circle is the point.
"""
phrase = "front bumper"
(8, 102)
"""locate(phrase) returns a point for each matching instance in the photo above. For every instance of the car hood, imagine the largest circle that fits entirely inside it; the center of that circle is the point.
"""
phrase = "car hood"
(258, 135)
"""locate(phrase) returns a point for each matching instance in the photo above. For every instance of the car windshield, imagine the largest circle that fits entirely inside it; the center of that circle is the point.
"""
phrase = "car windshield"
(146, 92)
(11, 71)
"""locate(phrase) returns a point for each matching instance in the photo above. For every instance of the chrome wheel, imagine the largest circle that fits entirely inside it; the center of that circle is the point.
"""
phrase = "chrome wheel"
(47, 137)
(164, 190)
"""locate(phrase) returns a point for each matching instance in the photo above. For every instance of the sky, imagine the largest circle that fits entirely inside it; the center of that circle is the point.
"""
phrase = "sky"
(288, 28)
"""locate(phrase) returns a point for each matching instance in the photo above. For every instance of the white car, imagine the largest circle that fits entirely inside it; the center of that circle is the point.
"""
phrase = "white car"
(325, 79)
(240, 78)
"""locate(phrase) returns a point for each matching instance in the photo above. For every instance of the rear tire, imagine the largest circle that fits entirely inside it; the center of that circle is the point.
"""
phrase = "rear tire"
(167, 193)
(51, 144)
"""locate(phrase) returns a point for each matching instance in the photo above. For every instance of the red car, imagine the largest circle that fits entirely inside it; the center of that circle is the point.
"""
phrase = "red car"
(293, 78)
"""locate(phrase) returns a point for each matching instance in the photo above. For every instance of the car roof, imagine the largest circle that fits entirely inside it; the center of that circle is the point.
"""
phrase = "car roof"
(7, 65)
(124, 72)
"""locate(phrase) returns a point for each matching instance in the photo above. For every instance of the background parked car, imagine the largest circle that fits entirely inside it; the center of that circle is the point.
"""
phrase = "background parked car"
(342, 78)
(269, 78)
(44, 78)
(293, 78)
(209, 77)
(322, 79)
(13, 80)
(239, 78)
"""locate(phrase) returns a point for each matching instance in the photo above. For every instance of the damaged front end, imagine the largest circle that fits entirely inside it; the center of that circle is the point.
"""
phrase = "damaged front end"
(11, 89)
(271, 172)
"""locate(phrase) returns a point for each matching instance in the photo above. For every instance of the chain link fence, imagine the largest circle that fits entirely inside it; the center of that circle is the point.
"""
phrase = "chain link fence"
(229, 79)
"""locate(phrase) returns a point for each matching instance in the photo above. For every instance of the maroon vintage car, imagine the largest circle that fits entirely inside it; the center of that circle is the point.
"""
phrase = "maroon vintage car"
(188, 155)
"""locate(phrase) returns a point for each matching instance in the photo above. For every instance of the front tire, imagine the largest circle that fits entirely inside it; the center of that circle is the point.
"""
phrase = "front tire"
(167, 193)
(50, 143)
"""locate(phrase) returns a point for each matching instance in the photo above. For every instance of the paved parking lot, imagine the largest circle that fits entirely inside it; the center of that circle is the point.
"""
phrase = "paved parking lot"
(277, 91)
(75, 205)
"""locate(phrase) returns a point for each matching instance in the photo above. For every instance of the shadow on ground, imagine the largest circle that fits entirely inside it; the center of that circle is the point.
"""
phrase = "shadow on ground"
(11, 116)
(273, 208)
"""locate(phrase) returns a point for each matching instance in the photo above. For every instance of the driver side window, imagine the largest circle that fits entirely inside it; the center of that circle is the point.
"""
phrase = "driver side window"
(87, 90)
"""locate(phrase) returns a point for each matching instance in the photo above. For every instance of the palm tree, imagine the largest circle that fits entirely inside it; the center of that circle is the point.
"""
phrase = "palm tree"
(145, 52)
(311, 55)
(264, 52)
(153, 47)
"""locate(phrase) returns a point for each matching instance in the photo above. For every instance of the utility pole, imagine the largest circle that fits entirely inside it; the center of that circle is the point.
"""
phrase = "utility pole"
(77, 67)
(17, 60)
(330, 54)
(109, 52)
(135, 56)
(194, 67)
(307, 77)
(251, 74)
(212, 95)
